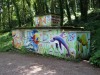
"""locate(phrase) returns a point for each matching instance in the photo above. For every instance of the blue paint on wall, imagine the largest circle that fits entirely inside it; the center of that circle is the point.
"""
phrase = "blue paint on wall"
(30, 41)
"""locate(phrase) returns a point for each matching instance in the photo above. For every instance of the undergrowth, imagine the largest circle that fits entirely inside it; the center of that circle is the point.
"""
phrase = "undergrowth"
(95, 48)
(5, 42)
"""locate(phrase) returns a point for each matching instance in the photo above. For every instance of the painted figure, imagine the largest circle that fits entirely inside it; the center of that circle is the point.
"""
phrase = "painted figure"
(61, 42)
(33, 40)
(82, 44)
(17, 39)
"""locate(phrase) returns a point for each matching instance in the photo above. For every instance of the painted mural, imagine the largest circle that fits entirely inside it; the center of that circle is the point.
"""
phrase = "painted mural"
(31, 40)
(47, 20)
(83, 43)
(17, 39)
(55, 42)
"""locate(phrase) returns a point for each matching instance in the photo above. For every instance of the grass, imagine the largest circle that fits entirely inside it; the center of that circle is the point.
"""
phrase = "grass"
(5, 42)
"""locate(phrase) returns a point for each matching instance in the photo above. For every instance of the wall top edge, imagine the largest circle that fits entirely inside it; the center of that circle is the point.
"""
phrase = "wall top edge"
(54, 27)
(71, 29)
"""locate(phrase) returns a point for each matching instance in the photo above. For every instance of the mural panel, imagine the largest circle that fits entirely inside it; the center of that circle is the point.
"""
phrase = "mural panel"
(54, 42)
(47, 20)
(31, 40)
(17, 39)
(83, 43)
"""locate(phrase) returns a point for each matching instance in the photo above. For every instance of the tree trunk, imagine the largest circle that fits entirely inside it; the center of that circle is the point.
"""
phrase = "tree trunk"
(98, 3)
(31, 16)
(68, 12)
(3, 16)
(17, 12)
(0, 22)
(9, 20)
(73, 7)
(84, 10)
(46, 7)
(1, 2)
(76, 6)
(35, 8)
(61, 11)
(24, 16)
(52, 7)
(90, 4)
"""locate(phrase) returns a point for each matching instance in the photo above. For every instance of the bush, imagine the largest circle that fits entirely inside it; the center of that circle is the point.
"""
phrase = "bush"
(95, 59)
(95, 53)
(5, 42)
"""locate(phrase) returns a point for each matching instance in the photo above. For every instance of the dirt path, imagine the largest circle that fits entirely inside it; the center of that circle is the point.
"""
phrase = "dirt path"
(16, 64)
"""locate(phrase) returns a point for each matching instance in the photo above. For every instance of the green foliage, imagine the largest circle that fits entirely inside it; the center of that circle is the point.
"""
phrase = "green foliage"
(5, 30)
(95, 59)
(92, 25)
(95, 48)
(5, 42)
(95, 44)
(23, 50)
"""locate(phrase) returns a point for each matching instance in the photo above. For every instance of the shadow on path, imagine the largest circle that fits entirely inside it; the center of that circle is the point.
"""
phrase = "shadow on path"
(16, 64)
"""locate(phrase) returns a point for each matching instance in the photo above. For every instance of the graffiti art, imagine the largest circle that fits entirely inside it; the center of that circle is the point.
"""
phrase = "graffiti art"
(55, 42)
(32, 40)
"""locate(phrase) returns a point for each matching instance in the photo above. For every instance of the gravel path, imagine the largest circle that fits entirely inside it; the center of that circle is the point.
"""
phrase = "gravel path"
(17, 64)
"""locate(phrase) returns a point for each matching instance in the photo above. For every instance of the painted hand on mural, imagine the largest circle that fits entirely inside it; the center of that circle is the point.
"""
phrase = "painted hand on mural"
(60, 42)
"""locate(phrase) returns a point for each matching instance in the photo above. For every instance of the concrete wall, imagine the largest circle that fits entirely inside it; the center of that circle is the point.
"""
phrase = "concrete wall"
(53, 41)
(47, 20)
